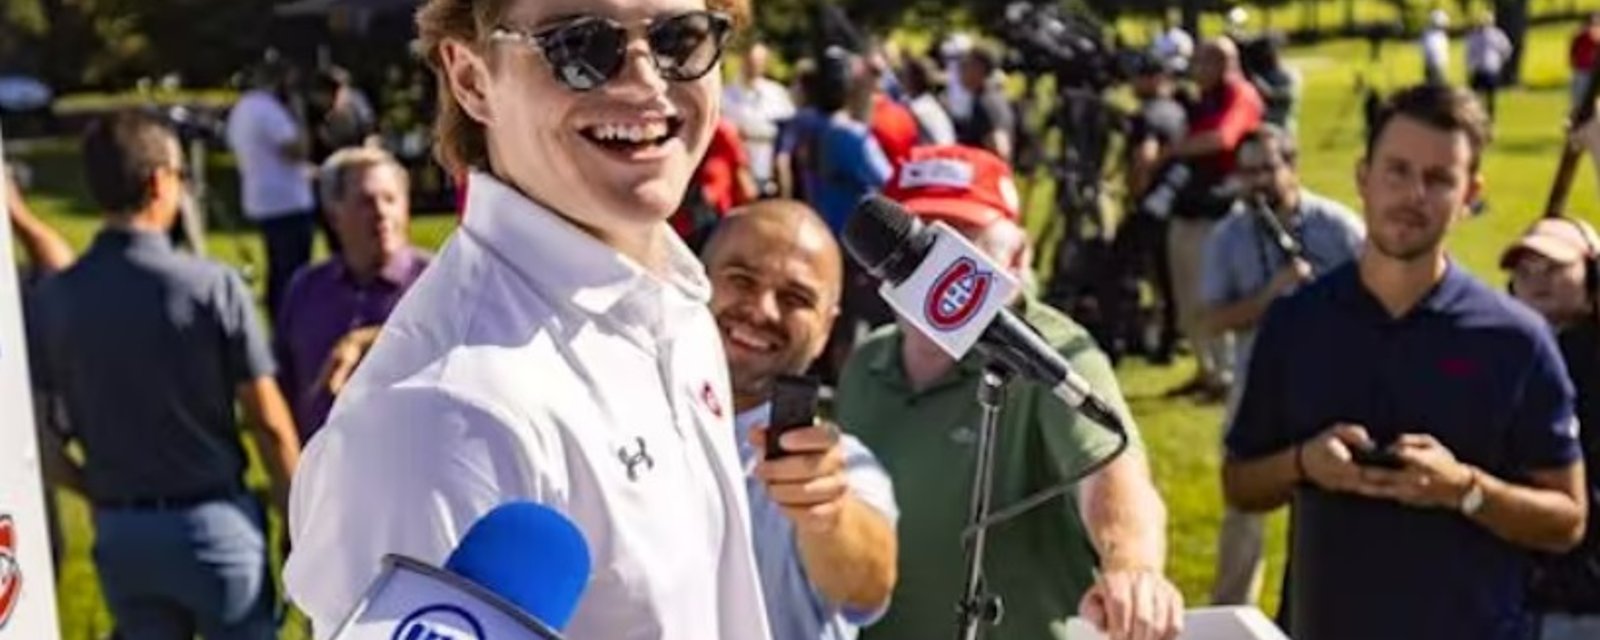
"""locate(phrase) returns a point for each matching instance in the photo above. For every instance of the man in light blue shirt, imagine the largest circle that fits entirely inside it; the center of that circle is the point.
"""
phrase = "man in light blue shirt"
(1246, 267)
(823, 517)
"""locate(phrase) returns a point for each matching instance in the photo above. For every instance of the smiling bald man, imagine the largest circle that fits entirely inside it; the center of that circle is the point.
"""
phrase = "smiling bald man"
(823, 518)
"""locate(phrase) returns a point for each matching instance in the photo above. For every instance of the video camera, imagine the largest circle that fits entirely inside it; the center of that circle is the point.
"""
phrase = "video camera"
(1259, 54)
(194, 123)
(1043, 39)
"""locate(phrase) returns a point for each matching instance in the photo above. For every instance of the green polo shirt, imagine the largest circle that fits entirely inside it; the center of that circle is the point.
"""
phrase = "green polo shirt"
(1041, 563)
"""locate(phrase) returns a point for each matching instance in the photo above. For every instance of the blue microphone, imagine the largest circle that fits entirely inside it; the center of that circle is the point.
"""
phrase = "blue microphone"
(517, 574)
(528, 554)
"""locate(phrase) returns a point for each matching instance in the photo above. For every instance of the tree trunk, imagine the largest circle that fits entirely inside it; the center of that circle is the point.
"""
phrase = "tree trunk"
(1512, 17)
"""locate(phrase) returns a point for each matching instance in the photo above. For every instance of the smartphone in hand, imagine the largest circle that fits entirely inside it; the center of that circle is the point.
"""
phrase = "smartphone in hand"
(1380, 457)
(794, 406)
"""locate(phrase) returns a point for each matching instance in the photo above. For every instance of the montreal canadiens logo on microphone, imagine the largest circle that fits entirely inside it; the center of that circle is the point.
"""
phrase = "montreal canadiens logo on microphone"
(957, 295)
(439, 622)
(10, 570)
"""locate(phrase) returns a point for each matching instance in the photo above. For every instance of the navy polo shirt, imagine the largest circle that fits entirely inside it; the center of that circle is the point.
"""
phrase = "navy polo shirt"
(1468, 365)
(147, 346)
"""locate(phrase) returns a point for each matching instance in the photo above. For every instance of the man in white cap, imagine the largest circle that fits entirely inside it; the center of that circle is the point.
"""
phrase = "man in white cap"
(1436, 47)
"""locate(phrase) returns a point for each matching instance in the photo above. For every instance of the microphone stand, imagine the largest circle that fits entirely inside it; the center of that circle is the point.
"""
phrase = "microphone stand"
(979, 608)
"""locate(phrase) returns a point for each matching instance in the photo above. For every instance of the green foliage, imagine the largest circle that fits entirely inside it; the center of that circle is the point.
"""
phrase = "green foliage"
(110, 43)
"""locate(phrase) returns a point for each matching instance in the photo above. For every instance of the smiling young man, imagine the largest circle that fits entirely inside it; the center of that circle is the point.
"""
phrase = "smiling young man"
(1426, 435)
(559, 349)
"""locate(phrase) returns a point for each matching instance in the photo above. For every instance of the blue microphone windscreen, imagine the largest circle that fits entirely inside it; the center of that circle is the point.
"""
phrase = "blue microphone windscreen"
(528, 554)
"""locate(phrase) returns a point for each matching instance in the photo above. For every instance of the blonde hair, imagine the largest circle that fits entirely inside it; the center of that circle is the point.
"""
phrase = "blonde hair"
(460, 141)
(335, 173)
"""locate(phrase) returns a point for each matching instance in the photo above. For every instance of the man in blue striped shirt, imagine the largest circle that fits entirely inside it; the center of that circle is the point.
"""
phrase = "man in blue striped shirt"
(823, 518)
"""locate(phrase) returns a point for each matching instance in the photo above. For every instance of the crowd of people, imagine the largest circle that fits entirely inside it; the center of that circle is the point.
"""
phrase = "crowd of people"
(644, 250)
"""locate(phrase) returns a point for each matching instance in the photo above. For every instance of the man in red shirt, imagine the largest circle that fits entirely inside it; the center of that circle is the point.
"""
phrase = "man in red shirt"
(1582, 53)
(725, 172)
(1229, 108)
(894, 127)
(724, 182)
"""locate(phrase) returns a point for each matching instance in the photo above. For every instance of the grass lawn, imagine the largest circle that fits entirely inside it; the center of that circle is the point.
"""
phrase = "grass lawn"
(1182, 436)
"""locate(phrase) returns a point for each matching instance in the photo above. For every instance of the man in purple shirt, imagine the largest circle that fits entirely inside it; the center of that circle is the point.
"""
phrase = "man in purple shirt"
(365, 193)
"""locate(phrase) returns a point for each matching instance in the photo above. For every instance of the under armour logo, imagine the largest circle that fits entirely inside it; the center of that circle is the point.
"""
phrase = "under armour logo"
(634, 459)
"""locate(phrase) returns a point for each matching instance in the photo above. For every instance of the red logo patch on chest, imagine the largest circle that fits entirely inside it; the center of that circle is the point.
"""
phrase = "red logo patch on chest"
(1459, 367)
(708, 396)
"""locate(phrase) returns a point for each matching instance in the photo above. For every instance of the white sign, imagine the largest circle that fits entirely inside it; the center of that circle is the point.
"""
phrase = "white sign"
(1210, 623)
(27, 582)
(954, 294)
(411, 600)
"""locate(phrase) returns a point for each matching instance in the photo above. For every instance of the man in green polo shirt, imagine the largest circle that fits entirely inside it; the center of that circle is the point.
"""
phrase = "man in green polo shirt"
(1099, 554)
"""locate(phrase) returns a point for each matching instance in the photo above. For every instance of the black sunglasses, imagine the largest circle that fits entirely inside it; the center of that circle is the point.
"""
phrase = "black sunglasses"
(589, 51)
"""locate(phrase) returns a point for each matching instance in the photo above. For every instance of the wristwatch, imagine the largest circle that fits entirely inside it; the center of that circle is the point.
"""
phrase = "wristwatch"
(1473, 500)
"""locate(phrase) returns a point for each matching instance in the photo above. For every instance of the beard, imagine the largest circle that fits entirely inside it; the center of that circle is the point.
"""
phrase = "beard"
(1406, 244)
(1266, 197)
(1407, 249)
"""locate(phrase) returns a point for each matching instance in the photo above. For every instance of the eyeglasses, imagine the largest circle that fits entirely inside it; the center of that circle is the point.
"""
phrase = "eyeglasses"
(589, 51)
(1251, 171)
(1535, 266)
(182, 172)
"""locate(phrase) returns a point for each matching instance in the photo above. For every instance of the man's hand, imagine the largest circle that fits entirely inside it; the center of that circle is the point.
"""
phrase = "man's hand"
(809, 484)
(15, 207)
(1292, 275)
(1133, 604)
(344, 357)
(1432, 476)
(1327, 460)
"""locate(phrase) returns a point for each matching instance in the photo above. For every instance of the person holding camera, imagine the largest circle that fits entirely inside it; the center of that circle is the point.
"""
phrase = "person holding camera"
(1160, 122)
(1279, 237)
(1229, 107)
(822, 515)
(992, 121)
(1555, 269)
(1421, 423)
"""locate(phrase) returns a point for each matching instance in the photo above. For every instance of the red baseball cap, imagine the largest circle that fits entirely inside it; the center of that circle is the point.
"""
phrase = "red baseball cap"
(959, 185)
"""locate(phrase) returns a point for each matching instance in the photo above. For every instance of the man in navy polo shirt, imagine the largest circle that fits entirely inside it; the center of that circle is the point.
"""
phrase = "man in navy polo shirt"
(1421, 423)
